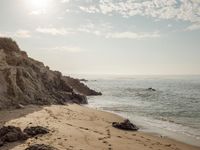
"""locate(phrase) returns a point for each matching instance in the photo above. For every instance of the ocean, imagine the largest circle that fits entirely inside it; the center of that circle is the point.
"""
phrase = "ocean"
(173, 110)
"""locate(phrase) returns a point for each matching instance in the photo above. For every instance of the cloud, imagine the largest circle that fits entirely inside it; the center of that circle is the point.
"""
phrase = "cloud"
(96, 29)
(132, 35)
(193, 27)
(89, 28)
(3, 35)
(106, 30)
(184, 10)
(21, 33)
(55, 31)
(69, 49)
(90, 9)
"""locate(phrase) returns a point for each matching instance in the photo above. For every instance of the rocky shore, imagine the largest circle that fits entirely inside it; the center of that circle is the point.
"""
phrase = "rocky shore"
(24, 81)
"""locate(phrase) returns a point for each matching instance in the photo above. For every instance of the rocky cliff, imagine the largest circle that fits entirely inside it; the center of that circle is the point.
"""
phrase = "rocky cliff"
(24, 80)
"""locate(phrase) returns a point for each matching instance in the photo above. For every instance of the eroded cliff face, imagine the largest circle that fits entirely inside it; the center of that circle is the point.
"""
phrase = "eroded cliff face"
(24, 80)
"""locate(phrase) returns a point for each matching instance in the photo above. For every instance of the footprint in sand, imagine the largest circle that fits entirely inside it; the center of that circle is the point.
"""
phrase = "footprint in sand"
(68, 124)
(119, 136)
(100, 139)
(109, 145)
(83, 128)
(105, 142)
(133, 134)
(168, 145)
(98, 132)
(108, 133)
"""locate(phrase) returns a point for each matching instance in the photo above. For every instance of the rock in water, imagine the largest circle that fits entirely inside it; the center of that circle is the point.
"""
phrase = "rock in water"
(33, 131)
(83, 80)
(40, 147)
(24, 81)
(151, 89)
(126, 125)
(11, 134)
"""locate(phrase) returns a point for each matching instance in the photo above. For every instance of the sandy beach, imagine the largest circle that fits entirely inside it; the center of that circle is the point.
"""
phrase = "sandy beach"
(75, 127)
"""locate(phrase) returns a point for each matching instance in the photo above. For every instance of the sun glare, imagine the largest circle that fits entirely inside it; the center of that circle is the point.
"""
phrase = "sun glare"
(38, 4)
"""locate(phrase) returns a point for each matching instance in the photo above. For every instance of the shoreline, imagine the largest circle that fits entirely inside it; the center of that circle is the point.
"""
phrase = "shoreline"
(81, 127)
(156, 131)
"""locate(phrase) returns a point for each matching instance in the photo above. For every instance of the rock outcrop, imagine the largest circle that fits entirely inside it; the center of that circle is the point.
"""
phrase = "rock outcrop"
(80, 87)
(24, 80)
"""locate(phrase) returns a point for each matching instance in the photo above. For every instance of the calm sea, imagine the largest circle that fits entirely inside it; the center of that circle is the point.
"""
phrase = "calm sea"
(173, 110)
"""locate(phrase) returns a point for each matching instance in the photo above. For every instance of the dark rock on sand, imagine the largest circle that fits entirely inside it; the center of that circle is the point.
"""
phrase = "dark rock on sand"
(33, 131)
(126, 125)
(11, 134)
(24, 81)
(40, 147)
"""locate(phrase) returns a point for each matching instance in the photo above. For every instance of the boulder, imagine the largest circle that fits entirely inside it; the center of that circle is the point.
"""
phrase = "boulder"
(126, 125)
(33, 131)
(79, 87)
(11, 134)
(40, 147)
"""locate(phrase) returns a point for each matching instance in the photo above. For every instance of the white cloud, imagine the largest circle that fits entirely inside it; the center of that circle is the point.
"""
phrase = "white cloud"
(99, 29)
(69, 49)
(21, 33)
(96, 29)
(106, 30)
(193, 27)
(90, 9)
(3, 35)
(132, 35)
(184, 10)
(55, 31)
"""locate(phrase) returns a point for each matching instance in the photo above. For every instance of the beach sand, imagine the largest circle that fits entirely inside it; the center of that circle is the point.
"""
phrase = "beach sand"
(75, 127)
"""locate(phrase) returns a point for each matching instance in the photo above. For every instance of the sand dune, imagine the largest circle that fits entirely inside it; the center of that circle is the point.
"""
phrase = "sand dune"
(75, 127)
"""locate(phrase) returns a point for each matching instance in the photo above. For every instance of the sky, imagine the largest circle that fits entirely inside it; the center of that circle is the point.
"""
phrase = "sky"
(132, 37)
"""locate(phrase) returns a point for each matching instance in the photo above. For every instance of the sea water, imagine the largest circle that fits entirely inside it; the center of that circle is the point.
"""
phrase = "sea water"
(173, 110)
